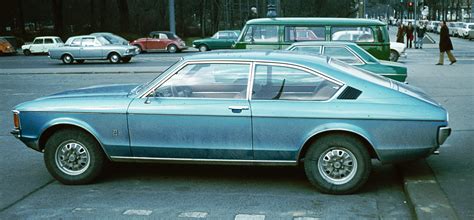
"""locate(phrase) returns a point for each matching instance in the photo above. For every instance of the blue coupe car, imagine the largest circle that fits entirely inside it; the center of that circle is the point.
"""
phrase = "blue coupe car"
(244, 107)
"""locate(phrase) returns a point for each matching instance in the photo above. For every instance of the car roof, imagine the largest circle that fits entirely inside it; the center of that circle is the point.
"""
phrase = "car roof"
(315, 21)
(48, 37)
(323, 43)
(164, 32)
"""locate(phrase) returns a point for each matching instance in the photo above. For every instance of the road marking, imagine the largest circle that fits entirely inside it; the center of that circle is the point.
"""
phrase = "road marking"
(249, 217)
(193, 215)
(305, 218)
(137, 212)
(83, 209)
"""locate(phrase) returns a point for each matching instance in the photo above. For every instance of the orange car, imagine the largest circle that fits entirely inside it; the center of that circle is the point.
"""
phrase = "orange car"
(6, 47)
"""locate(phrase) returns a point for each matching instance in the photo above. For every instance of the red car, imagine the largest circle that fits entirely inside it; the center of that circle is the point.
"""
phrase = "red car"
(160, 41)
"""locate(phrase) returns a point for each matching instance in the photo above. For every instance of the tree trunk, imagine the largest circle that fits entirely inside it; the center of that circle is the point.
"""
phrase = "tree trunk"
(57, 8)
(102, 14)
(123, 15)
(92, 18)
(21, 21)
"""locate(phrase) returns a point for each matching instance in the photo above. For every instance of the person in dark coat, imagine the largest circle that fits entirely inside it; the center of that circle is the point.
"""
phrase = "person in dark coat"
(445, 45)
(400, 33)
(409, 31)
(420, 34)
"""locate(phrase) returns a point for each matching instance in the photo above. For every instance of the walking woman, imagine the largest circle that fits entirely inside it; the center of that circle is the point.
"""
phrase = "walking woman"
(409, 31)
(445, 45)
(400, 33)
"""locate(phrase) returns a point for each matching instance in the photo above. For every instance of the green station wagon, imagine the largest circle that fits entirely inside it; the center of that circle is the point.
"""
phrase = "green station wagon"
(220, 40)
(279, 33)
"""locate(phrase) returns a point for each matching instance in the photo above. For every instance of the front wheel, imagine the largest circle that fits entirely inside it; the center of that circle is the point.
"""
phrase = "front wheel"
(337, 164)
(172, 48)
(67, 59)
(73, 157)
(114, 58)
(394, 55)
(203, 48)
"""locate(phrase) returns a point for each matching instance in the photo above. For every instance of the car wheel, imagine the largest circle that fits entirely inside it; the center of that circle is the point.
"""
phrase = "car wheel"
(67, 59)
(126, 59)
(114, 58)
(394, 56)
(337, 164)
(27, 52)
(73, 157)
(140, 50)
(80, 61)
(203, 48)
(172, 48)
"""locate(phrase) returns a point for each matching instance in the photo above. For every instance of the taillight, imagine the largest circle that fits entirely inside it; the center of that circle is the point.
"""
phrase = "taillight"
(16, 119)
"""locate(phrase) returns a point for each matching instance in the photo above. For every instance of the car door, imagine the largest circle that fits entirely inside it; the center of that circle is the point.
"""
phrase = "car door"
(37, 46)
(74, 48)
(48, 44)
(288, 103)
(201, 111)
(91, 48)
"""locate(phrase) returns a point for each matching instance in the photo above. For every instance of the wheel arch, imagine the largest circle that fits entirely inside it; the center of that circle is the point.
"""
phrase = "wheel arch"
(53, 128)
(64, 54)
(337, 131)
(112, 52)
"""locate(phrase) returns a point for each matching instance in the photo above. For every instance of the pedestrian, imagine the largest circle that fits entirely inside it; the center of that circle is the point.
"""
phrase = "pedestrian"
(253, 13)
(409, 32)
(420, 34)
(445, 45)
(400, 33)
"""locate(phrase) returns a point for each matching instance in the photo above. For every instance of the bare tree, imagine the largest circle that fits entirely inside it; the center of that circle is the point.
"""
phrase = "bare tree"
(123, 15)
(57, 8)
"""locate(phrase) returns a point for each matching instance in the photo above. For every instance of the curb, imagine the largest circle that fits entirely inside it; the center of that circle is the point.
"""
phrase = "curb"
(424, 194)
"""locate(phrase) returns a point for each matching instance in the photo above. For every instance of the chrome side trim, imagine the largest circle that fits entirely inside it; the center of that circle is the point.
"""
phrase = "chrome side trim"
(205, 161)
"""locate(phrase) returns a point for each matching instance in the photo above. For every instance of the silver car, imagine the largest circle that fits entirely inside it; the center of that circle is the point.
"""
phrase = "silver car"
(88, 47)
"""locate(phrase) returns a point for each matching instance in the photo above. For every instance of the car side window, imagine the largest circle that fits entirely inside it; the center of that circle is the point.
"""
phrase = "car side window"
(342, 54)
(355, 34)
(163, 36)
(218, 80)
(76, 42)
(309, 49)
(48, 41)
(288, 83)
(38, 41)
(88, 42)
(293, 34)
(262, 34)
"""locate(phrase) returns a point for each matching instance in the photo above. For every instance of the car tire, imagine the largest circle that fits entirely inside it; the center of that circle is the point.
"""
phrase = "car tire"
(172, 48)
(114, 58)
(67, 59)
(394, 56)
(27, 52)
(126, 59)
(337, 164)
(80, 61)
(140, 49)
(74, 157)
(203, 48)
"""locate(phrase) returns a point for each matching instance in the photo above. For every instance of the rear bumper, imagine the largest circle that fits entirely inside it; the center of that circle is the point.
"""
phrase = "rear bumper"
(443, 134)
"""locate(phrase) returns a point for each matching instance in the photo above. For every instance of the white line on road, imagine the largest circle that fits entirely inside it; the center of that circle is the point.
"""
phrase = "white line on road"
(249, 217)
(193, 215)
(137, 212)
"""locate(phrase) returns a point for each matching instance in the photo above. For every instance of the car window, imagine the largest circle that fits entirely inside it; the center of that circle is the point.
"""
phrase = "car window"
(309, 49)
(48, 41)
(76, 42)
(88, 41)
(262, 34)
(163, 36)
(223, 80)
(304, 34)
(355, 34)
(286, 83)
(224, 35)
(102, 41)
(38, 41)
(58, 40)
(342, 54)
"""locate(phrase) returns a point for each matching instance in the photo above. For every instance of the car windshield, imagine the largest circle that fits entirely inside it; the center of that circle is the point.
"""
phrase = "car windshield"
(360, 73)
(157, 78)
(103, 40)
(215, 35)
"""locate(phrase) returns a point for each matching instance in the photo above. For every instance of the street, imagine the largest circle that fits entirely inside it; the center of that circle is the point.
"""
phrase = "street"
(223, 192)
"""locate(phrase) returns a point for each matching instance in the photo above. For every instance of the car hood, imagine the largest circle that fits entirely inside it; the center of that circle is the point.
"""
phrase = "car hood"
(94, 91)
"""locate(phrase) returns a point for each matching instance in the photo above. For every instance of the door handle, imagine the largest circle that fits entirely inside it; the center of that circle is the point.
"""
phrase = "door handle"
(238, 107)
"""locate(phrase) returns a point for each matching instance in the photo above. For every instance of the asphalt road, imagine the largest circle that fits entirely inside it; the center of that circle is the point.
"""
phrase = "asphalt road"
(222, 192)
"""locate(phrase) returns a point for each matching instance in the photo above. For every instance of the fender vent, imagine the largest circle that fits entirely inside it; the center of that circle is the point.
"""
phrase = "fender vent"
(349, 93)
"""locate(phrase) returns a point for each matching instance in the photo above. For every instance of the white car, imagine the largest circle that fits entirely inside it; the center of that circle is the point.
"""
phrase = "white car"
(464, 31)
(42, 45)
(397, 50)
(454, 28)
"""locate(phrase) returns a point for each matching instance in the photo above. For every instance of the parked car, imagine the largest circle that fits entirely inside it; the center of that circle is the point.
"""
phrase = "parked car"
(279, 33)
(220, 40)
(6, 47)
(42, 45)
(114, 39)
(352, 54)
(160, 41)
(397, 50)
(454, 28)
(14, 42)
(89, 47)
(297, 109)
(432, 26)
(464, 31)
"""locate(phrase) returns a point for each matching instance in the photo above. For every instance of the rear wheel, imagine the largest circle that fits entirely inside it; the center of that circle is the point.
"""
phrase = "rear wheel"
(172, 48)
(114, 58)
(203, 48)
(73, 156)
(67, 59)
(337, 164)
(27, 52)
(394, 55)
(140, 50)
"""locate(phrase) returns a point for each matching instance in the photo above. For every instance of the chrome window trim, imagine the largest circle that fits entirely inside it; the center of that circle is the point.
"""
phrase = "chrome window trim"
(292, 48)
(205, 161)
(350, 51)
